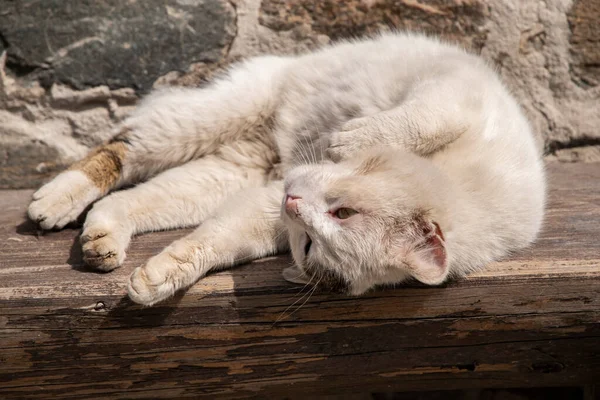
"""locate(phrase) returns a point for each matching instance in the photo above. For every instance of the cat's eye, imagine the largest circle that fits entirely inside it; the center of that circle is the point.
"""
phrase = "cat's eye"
(344, 213)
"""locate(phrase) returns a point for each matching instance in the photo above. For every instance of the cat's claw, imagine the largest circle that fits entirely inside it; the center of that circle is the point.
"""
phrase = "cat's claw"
(62, 200)
(101, 249)
(105, 236)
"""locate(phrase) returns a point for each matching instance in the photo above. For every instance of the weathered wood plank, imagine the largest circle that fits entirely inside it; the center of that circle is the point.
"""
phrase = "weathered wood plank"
(531, 320)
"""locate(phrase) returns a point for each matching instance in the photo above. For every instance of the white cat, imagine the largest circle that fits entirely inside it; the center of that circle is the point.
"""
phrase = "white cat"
(401, 157)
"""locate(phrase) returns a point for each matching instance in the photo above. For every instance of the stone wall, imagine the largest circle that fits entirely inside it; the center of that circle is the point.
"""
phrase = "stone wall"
(71, 69)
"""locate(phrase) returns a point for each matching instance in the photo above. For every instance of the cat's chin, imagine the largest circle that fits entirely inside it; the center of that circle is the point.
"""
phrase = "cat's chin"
(357, 289)
(296, 275)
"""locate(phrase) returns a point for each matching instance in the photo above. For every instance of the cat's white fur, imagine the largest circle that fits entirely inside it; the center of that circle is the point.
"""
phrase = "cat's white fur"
(420, 137)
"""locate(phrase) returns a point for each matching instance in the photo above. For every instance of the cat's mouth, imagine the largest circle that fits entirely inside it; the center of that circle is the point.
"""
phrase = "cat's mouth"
(307, 245)
(324, 278)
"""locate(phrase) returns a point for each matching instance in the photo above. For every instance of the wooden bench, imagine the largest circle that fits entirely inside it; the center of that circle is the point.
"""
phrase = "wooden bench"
(532, 320)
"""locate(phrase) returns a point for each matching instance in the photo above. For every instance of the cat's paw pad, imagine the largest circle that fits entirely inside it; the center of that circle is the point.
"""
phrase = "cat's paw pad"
(162, 276)
(353, 137)
(62, 200)
(102, 248)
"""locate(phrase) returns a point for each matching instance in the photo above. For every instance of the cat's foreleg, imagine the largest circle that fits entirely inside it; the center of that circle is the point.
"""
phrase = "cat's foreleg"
(433, 115)
(245, 228)
(169, 128)
(180, 197)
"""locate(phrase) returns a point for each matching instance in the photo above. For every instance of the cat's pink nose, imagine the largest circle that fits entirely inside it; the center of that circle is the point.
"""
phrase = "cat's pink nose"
(291, 204)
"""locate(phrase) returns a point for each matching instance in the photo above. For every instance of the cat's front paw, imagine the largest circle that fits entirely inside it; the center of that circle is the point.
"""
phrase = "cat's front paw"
(147, 286)
(105, 237)
(102, 249)
(162, 275)
(354, 136)
(62, 200)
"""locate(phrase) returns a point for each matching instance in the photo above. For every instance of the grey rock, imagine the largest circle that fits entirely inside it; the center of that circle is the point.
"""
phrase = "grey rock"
(27, 165)
(113, 42)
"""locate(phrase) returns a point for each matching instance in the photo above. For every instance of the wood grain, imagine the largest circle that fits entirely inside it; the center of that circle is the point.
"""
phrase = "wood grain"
(531, 320)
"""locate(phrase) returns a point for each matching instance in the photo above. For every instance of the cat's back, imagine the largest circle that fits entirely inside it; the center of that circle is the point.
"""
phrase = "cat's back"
(499, 164)
(372, 73)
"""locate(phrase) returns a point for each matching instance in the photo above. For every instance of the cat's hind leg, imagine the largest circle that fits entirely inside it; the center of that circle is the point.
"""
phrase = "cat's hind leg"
(245, 228)
(169, 128)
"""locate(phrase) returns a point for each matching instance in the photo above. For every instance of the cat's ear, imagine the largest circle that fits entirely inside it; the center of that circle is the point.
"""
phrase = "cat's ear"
(295, 275)
(427, 258)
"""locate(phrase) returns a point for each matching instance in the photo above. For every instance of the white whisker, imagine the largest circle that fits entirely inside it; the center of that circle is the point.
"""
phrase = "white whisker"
(282, 315)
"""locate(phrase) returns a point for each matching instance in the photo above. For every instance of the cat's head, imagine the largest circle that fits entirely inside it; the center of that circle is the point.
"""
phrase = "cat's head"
(371, 220)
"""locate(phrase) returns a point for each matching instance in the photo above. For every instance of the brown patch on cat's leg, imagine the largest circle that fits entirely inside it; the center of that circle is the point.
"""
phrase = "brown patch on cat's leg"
(103, 166)
(62, 200)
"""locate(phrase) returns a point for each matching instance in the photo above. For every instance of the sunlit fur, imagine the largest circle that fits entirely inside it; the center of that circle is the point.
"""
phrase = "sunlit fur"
(421, 138)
